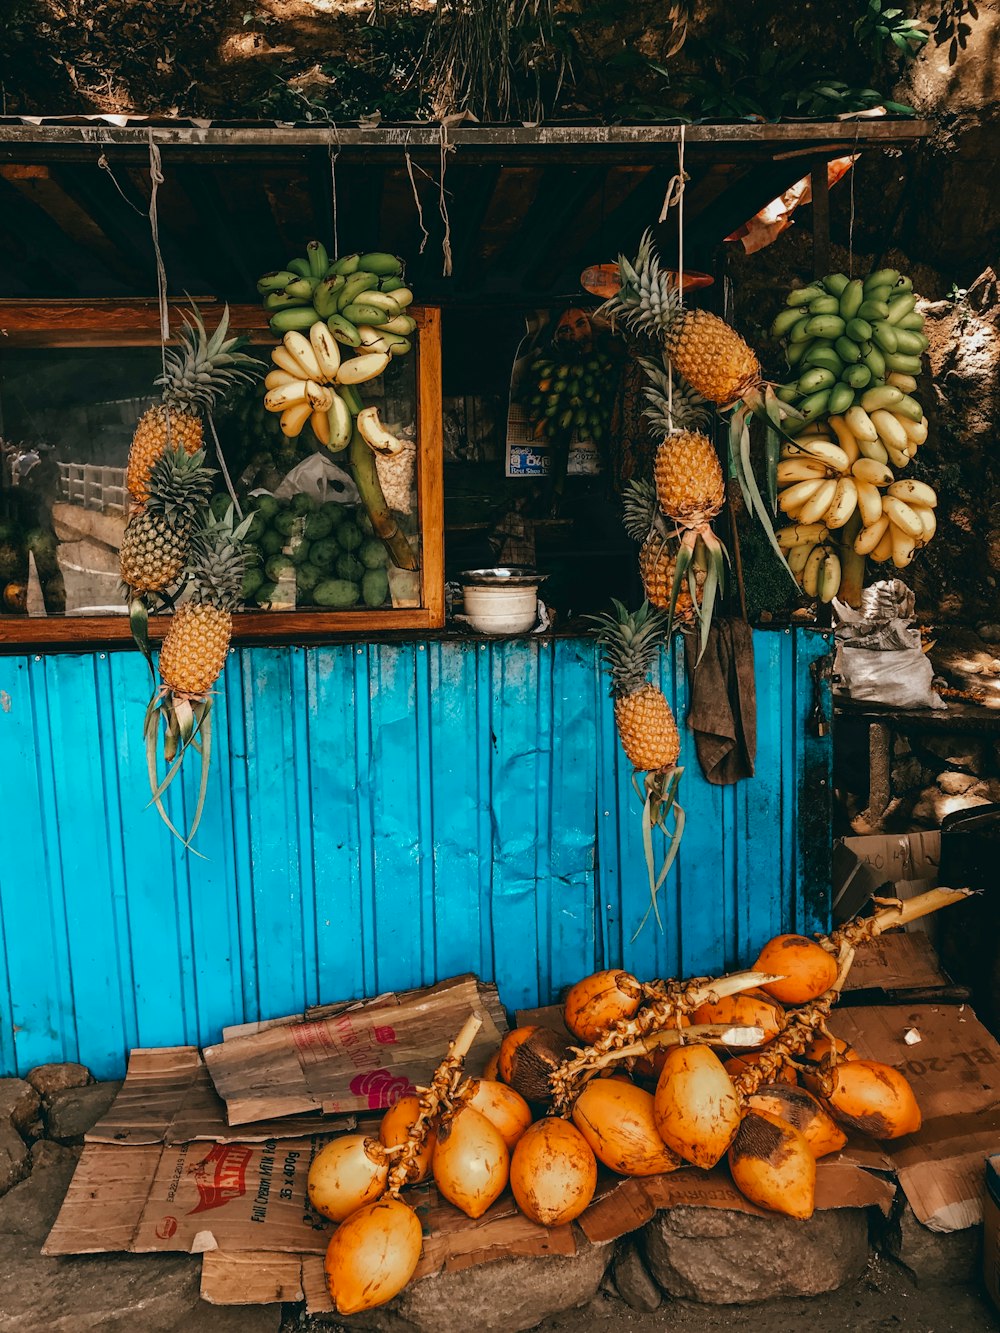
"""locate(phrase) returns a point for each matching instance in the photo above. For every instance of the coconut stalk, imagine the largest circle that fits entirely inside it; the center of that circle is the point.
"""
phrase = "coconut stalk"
(802, 1024)
(435, 1100)
(669, 1002)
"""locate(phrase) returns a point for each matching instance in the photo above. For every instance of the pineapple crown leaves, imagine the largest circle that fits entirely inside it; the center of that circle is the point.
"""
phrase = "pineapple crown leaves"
(673, 403)
(204, 366)
(630, 641)
(648, 300)
(217, 561)
(179, 486)
(638, 508)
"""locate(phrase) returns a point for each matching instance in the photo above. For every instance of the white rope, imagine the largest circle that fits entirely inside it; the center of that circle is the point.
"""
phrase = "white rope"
(334, 154)
(850, 224)
(416, 199)
(105, 165)
(156, 180)
(446, 148)
(680, 217)
(222, 464)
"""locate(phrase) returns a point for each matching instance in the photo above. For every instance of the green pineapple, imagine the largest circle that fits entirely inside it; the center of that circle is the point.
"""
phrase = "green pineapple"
(155, 544)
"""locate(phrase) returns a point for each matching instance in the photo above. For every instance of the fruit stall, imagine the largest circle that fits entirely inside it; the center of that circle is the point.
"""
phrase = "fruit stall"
(317, 377)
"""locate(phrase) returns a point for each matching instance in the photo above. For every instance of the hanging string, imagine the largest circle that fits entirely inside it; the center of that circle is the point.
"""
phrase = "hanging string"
(105, 165)
(156, 180)
(675, 185)
(222, 464)
(446, 148)
(680, 217)
(425, 237)
(334, 154)
(850, 224)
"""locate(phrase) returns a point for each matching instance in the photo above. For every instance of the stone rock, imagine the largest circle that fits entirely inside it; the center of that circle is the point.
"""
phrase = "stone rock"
(505, 1296)
(907, 773)
(20, 1104)
(989, 790)
(49, 1079)
(990, 633)
(70, 1114)
(632, 1281)
(955, 784)
(933, 1258)
(15, 1159)
(720, 1257)
(107, 1293)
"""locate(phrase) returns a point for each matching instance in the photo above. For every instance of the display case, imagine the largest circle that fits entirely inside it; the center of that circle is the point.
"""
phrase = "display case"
(75, 380)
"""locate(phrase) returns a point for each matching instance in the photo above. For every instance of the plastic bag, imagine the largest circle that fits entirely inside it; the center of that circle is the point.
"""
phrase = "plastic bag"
(323, 480)
(879, 656)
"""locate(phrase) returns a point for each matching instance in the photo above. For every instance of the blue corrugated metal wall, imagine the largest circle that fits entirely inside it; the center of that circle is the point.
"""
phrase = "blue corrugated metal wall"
(380, 816)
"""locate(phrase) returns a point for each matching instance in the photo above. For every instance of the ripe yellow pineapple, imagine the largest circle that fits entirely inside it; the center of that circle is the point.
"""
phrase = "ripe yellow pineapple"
(197, 641)
(646, 725)
(709, 354)
(657, 553)
(196, 373)
(689, 482)
(155, 544)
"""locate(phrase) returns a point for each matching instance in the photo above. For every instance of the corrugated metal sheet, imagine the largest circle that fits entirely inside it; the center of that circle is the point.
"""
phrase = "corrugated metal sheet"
(380, 816)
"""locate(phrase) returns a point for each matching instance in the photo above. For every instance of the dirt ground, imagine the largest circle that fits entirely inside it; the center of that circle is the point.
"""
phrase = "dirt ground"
(885, 1301)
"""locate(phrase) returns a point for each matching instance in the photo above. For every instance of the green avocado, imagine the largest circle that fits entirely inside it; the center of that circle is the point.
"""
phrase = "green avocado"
(319, 525)
(266, 505)
(303, 503)
(375, 587)
(349, 536)
(271, 542)
(307, 576)
(372, 555)
(336, 593)
(349, 567)
(324, 554)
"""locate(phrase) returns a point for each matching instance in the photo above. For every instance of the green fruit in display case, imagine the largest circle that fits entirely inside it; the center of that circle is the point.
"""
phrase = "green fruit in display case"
(336, 512)
(307, 576)
(302, 503)
(336, 593)
(349, 567)
(372, 555)
(253, 581)
(265, 593)
(267, 505)
(324, 554)
(349, 536)
(272, 542)
(319, 525)
(219, 504)
(277, 566)
(375, 587)
(299, 552)
(285, 523)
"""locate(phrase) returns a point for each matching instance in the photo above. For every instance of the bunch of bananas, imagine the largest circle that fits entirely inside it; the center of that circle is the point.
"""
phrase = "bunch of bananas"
(572, 394)
(838, 470)
(847, 338)
(361, 297)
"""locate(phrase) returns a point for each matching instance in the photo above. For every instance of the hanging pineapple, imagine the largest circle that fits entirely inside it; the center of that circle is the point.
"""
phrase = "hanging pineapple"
(710, 355)
(657, 552)
(194, 375)
(630, 642)
(194, 652)
(155, 544)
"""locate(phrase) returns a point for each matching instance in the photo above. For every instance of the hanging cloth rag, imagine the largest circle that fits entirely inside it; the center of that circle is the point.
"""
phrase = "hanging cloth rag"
(723, 711)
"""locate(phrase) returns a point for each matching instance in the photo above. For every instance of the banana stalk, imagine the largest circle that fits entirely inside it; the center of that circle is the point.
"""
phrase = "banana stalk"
(852, 565)
(370, 488)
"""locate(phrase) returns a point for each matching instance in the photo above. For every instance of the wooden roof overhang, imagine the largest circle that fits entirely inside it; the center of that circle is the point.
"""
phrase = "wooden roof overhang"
(527, 206)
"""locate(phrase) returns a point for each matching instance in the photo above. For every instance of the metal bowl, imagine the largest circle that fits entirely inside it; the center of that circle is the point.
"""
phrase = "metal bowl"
(510, 576)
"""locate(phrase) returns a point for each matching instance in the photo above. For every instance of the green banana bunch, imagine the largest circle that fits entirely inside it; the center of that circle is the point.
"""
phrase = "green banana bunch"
(355, 290)
(845, 338)
(570, 394)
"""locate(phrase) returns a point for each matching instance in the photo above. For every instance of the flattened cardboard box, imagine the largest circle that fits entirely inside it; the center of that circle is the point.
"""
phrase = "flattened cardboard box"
(453, 1242)
(168, 1097)
(360, 1058)
(954, 1070)
(895, 963)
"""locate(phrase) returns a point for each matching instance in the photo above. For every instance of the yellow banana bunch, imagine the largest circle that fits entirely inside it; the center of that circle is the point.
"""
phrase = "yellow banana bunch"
(299, 386)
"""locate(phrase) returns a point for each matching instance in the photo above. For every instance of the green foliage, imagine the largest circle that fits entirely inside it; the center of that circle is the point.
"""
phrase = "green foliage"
(881, 23)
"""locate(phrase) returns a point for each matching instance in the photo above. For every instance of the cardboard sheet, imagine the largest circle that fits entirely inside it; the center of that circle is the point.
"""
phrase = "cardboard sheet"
(955, 1073)
(903, 864)
(168, 1097)
(191, 1197)
(896, 963)
(358, 1058)
(451, 1242)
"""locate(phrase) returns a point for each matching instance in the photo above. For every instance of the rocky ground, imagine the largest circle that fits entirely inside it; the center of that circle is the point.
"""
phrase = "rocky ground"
(930, 1286)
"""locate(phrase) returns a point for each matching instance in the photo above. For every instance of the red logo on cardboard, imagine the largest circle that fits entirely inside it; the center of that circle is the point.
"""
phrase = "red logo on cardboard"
(385, 1036)
(221, 1176)
(166, 1227)
(381, 1088)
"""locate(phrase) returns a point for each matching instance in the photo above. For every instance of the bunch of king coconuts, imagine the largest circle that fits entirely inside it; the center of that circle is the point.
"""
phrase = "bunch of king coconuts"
(666, 1075)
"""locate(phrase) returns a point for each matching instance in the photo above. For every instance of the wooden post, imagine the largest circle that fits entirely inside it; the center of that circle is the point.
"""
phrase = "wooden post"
(820, 183)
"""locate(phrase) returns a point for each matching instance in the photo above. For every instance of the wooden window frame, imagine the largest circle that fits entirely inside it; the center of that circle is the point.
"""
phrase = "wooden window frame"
(56, 324)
